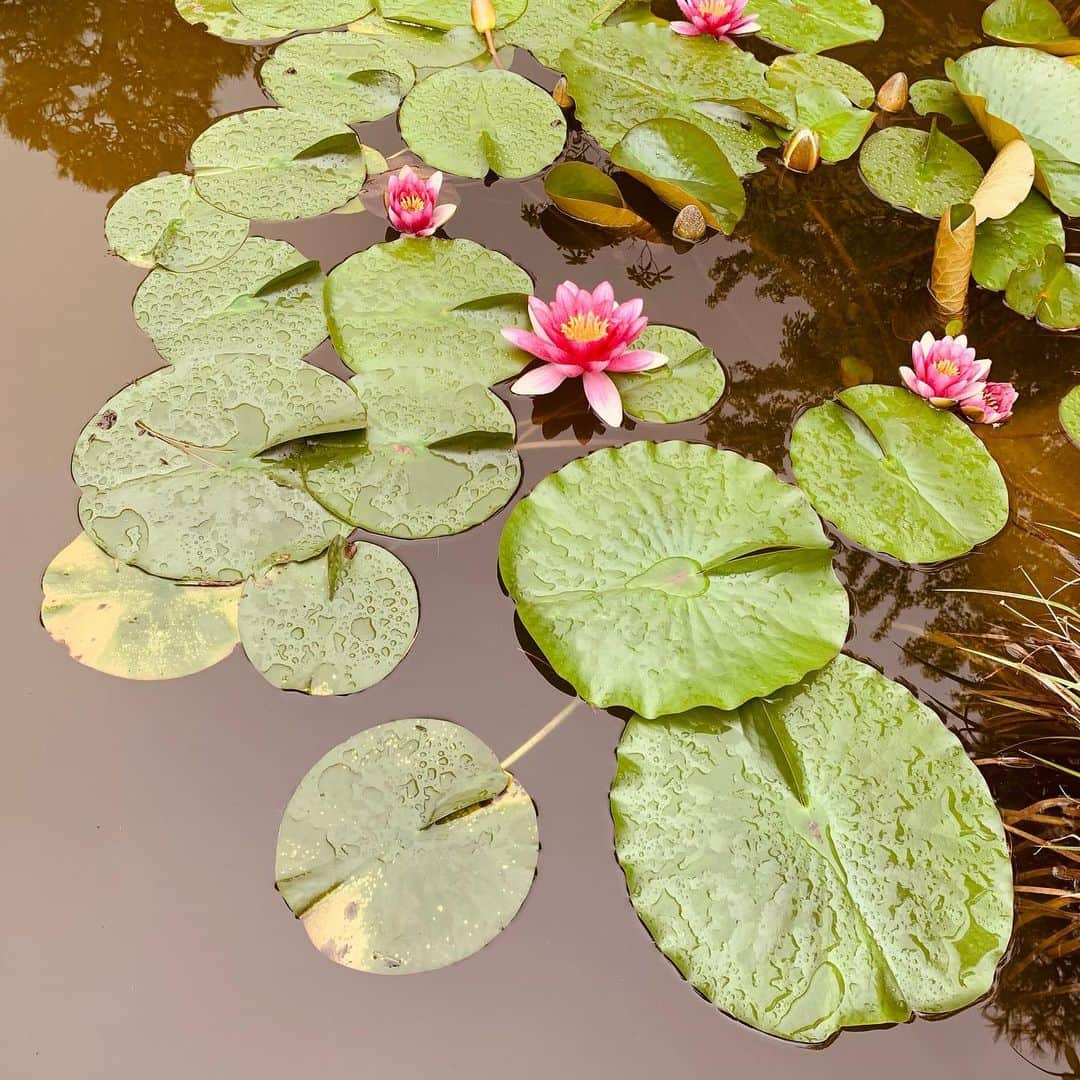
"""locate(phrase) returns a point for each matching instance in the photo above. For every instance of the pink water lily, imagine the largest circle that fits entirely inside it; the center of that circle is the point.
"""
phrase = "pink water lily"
(992, 405)
(944, 371)
(584, 334)
(412, 203)
(721, 18)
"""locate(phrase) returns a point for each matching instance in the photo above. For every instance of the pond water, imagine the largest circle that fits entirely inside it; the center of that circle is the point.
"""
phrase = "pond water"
(143, 932)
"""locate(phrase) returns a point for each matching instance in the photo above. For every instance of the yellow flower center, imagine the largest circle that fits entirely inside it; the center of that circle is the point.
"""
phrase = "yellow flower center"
(714, 7)
(411, 202)
(946, 367)
(587, 327)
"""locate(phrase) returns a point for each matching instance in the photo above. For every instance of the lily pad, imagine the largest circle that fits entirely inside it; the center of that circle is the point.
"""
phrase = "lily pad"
(472, 122)
(164, 222)
(118, 620)
(1070, 414)
(662, 576)
(620, 76)
(826, 858)
(1030, 22)
(346, 77)
(1024, 93)
(549, 26)
(222, 19)
(897, 475)
(332, 625)
(289, 15)
(685, 167)
(586, 193)
(427, 302)
(406, 848)
(1048, 290)
(840, 126)
(434, 459)
(918, 170)
(266, 298)
(822, 25)
(275, 164)
(797, 70)
(424, 49)
(445, 14)
(940, 96)
(171, 475)
(1003, 246)
(686, 387)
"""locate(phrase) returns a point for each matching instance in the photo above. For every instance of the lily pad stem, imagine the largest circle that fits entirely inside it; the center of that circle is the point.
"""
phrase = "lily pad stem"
(542, 734)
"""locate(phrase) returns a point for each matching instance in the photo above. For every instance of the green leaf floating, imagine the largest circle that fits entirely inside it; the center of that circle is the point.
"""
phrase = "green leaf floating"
(424, 49)
(445, 14)
(588, 194)
(427, 302)
(164, 222)
(171, 474)
(686, 387)
(118, 620)
(345, 77)
(1030, 22)
(897, 475)
(1070, 414)
(820, 25)
(1005, 244)
(274, 164)
(406, 848)
(825, 858)
(1024, 93)
(332, 625)
(620, 76)
(223, 20)
(288, 15)
(549, 26)
(917, 170)
(433, 460)
(1048, 290)
(840, 127)
(684, 166)
(471, 122)
(266, 298)
(940, 96)
(662, 576)
(795, 71)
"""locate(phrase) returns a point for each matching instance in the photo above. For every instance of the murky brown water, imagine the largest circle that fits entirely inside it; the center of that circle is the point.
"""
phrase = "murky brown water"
(142, 933)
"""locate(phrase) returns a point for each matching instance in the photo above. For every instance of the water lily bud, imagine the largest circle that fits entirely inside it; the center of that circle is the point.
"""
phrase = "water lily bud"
(690, 224)
(803, 151)
(483, 16)
(893, 95)
(561, 95)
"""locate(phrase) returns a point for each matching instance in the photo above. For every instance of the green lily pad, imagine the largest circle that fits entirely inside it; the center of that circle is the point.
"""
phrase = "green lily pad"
(424, 49)
(1024, 93)
(267, 298)
(332, 625)
(426, 302)
(1048, 290)
(472, 122)
(1030, 22)
(164, 222)
(274, 164)
(940, 96)
(445, 14)
(1070, 414)
(620, 76)
(1003, 245)
(685, 167)
(917, 170)
(222, 19)
(826, 858)
(897, 475)
(586, 193)
(345, 77)
(794, 71)
(288, 15)
(816, 27)
(406, 848)
(840, 126)
(118, 620)
(549, 26)
(650, 577)
(172, 480)
(434, 459)
(686, 387)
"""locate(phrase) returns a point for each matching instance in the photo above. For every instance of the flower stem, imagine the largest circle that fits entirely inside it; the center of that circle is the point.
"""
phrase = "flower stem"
(542, 734)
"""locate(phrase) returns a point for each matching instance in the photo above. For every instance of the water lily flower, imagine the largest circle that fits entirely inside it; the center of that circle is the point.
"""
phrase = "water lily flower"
(944, 371)
(993, 405)
(412, 203)
(584, 334)
(721, 18)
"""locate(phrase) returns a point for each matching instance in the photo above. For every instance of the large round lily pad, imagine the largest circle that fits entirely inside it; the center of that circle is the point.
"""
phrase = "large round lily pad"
(172, 480)
(116, 619)
(426, 302)
(794, 71)
(897, 475)
(821, 25)
(549, 26)
(267, 298)
(941, 97)
(406, 848)
(222, 19)
(472, 122)
(445, 14)
(332, 625)
(687, 386)
(288, 15)
(662, 576)
(1005, 244)
(586, 193)
(425, 49)
(164, 222)
(1030, 22)
(825, 858)
(1047, 289)
(275, 164)
(1070, 414)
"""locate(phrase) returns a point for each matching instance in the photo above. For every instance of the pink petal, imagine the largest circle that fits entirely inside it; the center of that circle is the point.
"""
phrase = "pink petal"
(603, 397)
(688, 29)
(530, 343)
(542, 318)
(541, 380)
(638, 360)
(434, 184)
(442, 215)
(909, 379)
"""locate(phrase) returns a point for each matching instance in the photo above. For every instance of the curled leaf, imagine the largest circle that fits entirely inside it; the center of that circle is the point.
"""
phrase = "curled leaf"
(954, 249)
(1007, 182)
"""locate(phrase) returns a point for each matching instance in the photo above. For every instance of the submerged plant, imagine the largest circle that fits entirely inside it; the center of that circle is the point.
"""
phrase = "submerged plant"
(945, 371)
(412, 203)
(720, 18)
